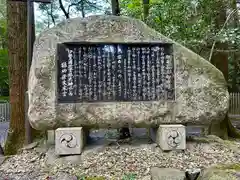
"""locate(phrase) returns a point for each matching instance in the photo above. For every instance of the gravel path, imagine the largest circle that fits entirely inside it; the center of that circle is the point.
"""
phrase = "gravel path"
(113, 161)
(3, 132)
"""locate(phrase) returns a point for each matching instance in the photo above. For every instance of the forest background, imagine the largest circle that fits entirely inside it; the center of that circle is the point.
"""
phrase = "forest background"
(197, 24)
(209, 28)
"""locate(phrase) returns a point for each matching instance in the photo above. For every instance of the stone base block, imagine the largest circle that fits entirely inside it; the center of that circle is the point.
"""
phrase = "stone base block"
(69, 141)
(51, 137)
(171, 137)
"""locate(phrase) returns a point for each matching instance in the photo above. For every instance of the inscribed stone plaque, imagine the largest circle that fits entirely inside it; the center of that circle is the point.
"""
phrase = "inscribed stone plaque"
(98, 72)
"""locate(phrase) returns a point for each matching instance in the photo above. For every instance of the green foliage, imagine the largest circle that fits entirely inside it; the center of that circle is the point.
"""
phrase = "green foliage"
(132, 8)
(92, 178)
(2, 9)
(185, 21)
(130, 176)
(193, 24)
(4, 98)
(3, 68)
(230, 35)
(3, 49)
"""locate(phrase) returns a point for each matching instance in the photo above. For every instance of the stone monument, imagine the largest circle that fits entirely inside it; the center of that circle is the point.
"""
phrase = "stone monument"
(111, 71)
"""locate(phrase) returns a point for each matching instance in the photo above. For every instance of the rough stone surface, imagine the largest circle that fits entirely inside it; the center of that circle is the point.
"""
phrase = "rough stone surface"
(63, 176)
(53, 158)
(193, 174)
(171, 137)
(51, 137)
(30, 146)
(201, 91)
(2, 158)
(167, 174)
(222, 172)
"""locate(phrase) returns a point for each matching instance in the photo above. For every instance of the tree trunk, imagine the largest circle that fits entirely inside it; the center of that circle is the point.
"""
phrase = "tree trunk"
(51, 14)
(66, 14)
(220, 61)
(145, 9)
(225, 128)
(82, 9)
(17, 51)
(115, 8)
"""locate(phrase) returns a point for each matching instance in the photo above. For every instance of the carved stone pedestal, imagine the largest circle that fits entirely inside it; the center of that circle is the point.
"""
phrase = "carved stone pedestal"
(51, 137)
(69, 141)
(171, 137)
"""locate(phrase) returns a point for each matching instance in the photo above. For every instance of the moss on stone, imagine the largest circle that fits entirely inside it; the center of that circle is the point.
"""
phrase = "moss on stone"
(208, 139)
(235, 166)
(15, 142)
(232, 131)
(224, 129)
(215, 139)
(218, 175)
(221, 172)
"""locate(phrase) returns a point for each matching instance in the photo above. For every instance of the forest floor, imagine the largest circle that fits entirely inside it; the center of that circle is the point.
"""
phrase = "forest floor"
(134, 160)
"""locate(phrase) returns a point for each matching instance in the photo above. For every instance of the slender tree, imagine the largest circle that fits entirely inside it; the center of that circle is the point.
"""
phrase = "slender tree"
(236, 56)
(220, 58)
(115, 7)
(145, 9)
(17, 51)
(4, 92)
(124, 132)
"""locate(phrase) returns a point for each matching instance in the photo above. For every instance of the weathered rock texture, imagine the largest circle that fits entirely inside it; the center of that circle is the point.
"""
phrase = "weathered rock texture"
(201, 92)
(222, 172)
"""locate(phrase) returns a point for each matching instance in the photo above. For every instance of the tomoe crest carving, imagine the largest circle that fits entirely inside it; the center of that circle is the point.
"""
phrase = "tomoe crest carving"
(174, 138)
(68, 140)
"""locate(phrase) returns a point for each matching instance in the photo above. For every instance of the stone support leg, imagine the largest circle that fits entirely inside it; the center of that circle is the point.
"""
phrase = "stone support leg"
(69, 140)
(171, 137)
(51, 137)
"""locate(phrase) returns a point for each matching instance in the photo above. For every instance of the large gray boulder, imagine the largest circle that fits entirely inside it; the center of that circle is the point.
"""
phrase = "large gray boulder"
(166, 174)
(201, 91)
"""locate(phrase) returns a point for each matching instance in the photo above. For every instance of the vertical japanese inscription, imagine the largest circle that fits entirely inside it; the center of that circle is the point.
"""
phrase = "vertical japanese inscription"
(80, 73)
(90, 72)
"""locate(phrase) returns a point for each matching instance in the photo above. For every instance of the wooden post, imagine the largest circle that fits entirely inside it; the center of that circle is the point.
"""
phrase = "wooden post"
(30, 42)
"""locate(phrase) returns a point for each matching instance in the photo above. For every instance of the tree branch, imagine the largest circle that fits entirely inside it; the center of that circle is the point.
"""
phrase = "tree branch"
(3, 13)
(92, 5)
(214, 43)
(81, 2)
(63, 9)
(145, 9)
(74, 4)
(82, 10)
(51, 15)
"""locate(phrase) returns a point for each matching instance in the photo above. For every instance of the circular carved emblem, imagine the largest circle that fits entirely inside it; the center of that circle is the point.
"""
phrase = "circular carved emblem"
(174, 138)
(68, 140)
